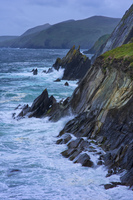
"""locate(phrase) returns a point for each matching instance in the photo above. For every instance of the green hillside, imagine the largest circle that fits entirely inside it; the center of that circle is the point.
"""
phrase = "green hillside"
(36, 29)
(66, 34)
(98, 44)
(19, 41)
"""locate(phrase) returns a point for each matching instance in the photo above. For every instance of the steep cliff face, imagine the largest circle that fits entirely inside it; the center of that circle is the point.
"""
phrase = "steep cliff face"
(122, 34)
(103, 103)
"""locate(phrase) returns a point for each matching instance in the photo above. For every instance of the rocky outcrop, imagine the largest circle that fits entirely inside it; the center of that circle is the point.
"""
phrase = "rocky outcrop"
(44, 106)
(75, 64)
(122, 34)
(103, 103)
(39, 107)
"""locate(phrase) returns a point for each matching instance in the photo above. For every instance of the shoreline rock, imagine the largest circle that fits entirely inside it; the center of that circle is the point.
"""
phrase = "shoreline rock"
(75, 64)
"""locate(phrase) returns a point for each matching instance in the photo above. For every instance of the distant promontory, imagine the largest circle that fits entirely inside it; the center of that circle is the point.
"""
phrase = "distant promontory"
(64, 35)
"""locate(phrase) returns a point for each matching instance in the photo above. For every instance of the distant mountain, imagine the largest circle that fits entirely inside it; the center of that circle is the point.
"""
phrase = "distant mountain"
(7, 38)
(66, 34)
(36, 29)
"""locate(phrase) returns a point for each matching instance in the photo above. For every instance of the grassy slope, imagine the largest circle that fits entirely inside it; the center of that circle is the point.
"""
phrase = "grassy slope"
(125, 51)
(120, 57)
(66, 34)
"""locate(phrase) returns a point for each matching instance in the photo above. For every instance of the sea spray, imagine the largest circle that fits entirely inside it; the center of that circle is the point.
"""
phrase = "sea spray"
(31, 165)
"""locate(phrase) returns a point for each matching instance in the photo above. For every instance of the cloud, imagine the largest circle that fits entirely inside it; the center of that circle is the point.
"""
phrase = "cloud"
(49, 3)
(18, 15)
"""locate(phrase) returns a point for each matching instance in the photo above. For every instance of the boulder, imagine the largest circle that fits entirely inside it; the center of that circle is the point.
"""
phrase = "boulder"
(66, 84)
(57, 80)
(84, 159)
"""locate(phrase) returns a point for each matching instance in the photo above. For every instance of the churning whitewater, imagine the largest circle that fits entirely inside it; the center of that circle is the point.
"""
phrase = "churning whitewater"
(31, 166)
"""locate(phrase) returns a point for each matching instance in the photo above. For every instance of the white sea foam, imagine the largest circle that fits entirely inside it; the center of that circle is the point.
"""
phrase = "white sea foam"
(29, 145)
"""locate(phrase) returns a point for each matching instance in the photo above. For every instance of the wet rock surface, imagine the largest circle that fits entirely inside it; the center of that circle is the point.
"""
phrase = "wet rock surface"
(103, 103)
(103, 106)
(35, 71)
(75, 64)
(39, 107)
(112, 185)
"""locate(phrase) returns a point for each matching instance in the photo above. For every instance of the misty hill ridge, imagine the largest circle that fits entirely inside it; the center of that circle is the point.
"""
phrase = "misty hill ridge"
(36, 29)
(7, 38)
(66, 34)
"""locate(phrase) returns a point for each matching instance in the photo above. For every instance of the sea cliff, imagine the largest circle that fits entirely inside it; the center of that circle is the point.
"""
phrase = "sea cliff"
(103, 103)
(103, 106)
(122, 34)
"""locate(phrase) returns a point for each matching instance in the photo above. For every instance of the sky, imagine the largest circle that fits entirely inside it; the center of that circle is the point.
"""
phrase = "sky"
(17, 16)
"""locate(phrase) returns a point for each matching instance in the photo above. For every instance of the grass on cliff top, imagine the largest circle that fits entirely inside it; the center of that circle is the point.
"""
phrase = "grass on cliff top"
(125, 51)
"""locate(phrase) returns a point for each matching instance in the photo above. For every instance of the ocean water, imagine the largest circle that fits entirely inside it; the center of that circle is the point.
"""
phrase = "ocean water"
(31, 166)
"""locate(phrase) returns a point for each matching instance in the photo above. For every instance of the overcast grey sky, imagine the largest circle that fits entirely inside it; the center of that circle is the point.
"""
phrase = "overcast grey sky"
(16, 16)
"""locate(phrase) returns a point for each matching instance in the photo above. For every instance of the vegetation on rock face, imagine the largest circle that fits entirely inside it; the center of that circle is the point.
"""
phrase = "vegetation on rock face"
(103, 105)
(121, 58)
(124, 51)
(122, 34)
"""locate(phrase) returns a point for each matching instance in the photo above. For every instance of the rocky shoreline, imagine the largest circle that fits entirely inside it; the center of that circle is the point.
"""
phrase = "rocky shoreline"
(103, 106)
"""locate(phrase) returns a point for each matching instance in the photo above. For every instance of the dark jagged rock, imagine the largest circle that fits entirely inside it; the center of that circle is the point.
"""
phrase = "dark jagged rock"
(84, 159)
(50, 70)
(75, 64)
(44, 106)
(65, 139)
(57, 80)
(39, 107)
(112, 185)
(103, 103)
(44, 71)
(35, 71)
(66, 84)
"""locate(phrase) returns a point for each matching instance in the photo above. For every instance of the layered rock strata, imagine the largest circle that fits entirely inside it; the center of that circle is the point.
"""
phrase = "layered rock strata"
(103, 105)
(75, 64)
